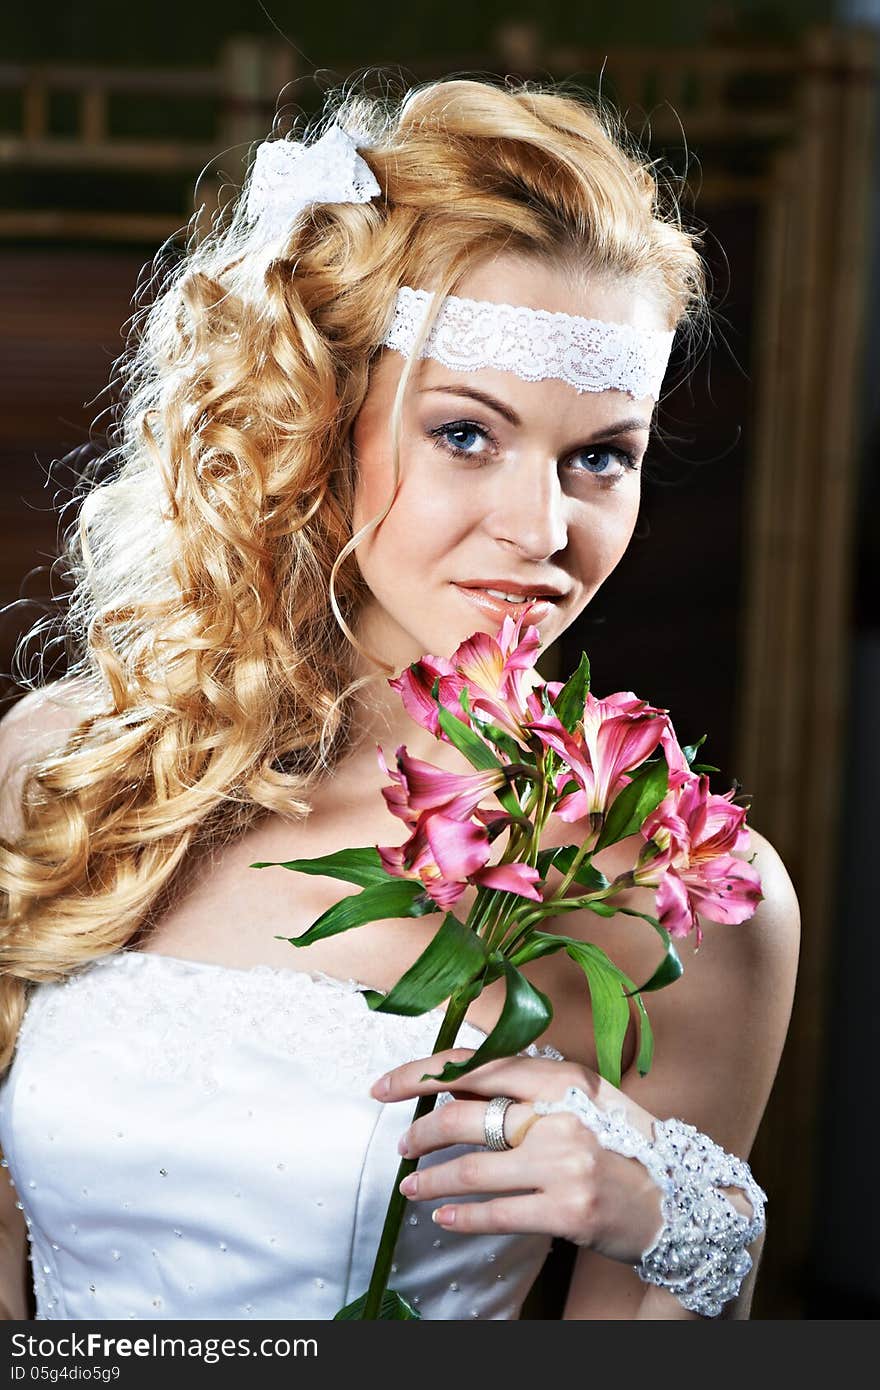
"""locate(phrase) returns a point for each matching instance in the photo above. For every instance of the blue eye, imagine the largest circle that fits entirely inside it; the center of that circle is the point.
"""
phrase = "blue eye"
(459, 437)
(600, 456)
(454, 437)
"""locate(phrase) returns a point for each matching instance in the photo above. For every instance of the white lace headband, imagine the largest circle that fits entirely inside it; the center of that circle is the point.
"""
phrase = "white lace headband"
(535, 344)
(589, 354)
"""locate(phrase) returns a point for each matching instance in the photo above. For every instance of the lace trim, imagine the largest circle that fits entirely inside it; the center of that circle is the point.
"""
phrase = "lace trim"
(700, 1253)
(288, 175)
(316, 1018)
(588, 354)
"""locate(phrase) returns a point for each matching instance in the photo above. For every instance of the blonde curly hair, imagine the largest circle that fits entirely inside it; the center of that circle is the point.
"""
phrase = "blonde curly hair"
(215, 588)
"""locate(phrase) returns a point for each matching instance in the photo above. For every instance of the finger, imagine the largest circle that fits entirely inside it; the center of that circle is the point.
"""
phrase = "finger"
(497, 1216)
(406, 1080)
(524, 1078)
(475, 1172)
(462, 1122)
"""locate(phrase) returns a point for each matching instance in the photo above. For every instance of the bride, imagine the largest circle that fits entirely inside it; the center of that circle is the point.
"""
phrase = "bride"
(402, 393)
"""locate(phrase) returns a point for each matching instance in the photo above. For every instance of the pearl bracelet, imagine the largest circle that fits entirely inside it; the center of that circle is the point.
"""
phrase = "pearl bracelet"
(700, 1254)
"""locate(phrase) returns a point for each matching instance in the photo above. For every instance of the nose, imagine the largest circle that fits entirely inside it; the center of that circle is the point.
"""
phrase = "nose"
(529, 512)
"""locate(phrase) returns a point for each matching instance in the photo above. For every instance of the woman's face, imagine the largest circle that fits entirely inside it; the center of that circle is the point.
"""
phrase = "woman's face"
(532, 488)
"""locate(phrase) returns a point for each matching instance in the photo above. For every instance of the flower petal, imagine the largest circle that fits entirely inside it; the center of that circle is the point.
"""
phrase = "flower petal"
(459, 848)
(513, 878)
(573, 807)
(623, 742)
(414, 686)
(727, 890)
(674, 909)
(431, 788)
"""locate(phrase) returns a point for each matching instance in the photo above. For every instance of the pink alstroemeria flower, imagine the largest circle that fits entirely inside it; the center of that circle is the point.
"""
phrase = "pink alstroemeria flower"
(491, 669)
(494, 671)
(445, 855)
(420, 786)
(414, 686)
(692, 838)
(616, 735)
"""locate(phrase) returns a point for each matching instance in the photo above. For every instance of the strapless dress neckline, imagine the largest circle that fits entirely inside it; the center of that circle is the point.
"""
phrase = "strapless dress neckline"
(320, 977)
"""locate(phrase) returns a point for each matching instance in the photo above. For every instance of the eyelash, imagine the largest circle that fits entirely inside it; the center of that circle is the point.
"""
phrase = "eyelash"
(440, 439)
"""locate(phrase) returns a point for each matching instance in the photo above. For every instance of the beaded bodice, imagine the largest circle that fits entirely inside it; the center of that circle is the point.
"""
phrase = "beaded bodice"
(190, 1140)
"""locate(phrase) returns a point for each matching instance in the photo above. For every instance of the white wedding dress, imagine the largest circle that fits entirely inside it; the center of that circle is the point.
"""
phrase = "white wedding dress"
(191, 1140)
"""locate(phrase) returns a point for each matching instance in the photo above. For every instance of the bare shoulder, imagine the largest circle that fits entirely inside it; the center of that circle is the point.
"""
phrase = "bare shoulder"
(721, 1028)
(774, 930)
(38, 722)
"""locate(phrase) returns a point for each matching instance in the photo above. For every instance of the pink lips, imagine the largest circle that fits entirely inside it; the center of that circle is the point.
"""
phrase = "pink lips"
(539, 608)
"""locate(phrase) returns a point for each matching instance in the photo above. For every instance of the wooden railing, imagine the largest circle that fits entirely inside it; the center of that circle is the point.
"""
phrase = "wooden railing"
(678, 96)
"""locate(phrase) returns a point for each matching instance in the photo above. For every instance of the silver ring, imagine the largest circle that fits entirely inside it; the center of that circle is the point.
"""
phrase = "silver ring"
(493, 1123)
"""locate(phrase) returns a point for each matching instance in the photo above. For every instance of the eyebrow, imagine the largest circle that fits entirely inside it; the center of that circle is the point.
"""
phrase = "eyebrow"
(635, 422)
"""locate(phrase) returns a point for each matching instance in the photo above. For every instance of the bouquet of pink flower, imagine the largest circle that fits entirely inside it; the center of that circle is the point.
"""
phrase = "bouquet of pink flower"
(538, 748)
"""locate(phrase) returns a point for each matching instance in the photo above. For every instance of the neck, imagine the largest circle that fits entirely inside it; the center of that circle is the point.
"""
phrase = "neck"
(380, 718)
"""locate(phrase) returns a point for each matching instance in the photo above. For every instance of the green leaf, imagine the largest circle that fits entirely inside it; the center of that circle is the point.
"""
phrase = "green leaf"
(587, 875)
(690, 749)
(401, 897)
(536, 944)
(478, 754)
(393, 1308)
(668, 971)
(495, 967)
(361, 866)
(569, 703)
(502, 740)
(544, 943)
(524, 1017)
(608, 996)
(572, 785)
(634, 804)
(646, 1035)
(690, 752)
(560, 857)
(602, 909)
(453, 957)
(670, 968)
(546, 858)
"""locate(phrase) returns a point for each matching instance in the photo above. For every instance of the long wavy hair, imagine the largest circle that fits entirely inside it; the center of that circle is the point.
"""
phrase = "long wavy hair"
(215, 591)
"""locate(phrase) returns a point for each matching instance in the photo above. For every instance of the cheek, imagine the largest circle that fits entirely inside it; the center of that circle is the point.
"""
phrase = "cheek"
(427, 515)
(601, 536)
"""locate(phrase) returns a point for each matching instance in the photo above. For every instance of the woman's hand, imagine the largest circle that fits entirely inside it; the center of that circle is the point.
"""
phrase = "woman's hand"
(570, 1186)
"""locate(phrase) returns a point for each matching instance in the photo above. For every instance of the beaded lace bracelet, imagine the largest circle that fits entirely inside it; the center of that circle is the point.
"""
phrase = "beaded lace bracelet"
(700, 1254)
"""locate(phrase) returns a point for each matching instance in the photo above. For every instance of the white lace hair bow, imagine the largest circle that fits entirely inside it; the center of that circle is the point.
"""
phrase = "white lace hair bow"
(289, 175)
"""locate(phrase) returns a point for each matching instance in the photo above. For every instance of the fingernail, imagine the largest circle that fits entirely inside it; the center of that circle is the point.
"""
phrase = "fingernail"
(410, 1185)
(443, 1216)
(402, 1146)
(382, 1086)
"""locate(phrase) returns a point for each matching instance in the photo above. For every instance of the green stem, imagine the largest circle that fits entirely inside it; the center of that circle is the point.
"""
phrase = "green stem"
(532, 919)
(572, 871)
(538, 802)
(452, 1020)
